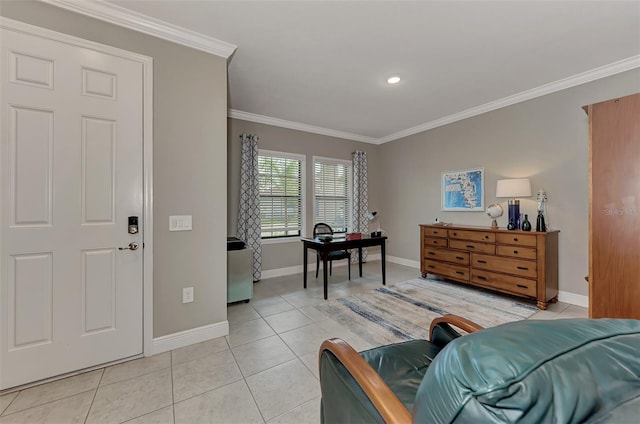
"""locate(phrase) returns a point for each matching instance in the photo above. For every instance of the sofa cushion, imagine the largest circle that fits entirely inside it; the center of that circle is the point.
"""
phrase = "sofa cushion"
(402, 366)
(536, 371)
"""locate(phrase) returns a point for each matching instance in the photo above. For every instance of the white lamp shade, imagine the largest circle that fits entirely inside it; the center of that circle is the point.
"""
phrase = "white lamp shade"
(515, 187)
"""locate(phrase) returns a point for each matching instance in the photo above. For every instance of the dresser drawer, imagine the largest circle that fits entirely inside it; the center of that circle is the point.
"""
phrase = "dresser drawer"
(434, 241)
(473, 246)
(516, 251)
(504, 282)
(473, 235)
(520, 267)
(435, 231)
(518, 239)
(456, 272)
(446, 255)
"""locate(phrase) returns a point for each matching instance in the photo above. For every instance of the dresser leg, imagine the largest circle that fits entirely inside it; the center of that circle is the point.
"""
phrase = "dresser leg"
(542, 305)
(424, 275)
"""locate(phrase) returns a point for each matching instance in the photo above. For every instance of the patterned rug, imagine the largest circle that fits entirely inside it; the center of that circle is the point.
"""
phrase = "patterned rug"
(404, 311)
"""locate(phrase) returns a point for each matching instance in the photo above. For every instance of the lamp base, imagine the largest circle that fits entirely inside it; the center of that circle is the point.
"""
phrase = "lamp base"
(494, 224)
(514, 213)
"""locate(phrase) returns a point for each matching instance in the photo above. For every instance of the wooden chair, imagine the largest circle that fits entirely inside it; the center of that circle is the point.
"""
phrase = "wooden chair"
(320, 229)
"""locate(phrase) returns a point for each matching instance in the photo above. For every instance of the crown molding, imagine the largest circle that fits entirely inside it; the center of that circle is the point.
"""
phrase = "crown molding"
(627, 64)
(126, 18)
(261, 119)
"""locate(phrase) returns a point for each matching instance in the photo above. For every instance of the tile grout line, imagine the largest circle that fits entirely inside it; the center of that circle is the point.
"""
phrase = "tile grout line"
(94, 396)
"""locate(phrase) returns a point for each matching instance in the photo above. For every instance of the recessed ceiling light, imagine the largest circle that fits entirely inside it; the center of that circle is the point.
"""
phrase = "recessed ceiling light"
(393, 79)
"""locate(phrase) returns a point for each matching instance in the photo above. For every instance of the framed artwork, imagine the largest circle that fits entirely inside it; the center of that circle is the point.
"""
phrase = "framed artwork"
(463, 190)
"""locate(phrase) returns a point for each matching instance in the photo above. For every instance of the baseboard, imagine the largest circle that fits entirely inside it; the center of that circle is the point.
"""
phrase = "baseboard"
(403, 261)
(574, 299)
(189, 337)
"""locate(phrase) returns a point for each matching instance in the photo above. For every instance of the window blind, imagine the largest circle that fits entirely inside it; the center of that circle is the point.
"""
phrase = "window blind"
(280, 180)
(332, 193)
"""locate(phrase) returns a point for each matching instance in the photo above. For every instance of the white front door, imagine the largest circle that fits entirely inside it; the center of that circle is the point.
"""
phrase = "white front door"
(70, 176)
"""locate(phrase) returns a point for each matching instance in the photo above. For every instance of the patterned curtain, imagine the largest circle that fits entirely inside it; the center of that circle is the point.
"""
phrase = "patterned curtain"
(249, 208)
(360, 199)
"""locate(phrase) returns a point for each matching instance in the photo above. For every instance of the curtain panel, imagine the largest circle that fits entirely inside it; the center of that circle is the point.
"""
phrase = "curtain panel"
(249, 208)
(360, 199)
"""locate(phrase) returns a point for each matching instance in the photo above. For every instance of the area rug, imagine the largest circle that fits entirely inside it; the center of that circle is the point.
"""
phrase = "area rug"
(404, 311)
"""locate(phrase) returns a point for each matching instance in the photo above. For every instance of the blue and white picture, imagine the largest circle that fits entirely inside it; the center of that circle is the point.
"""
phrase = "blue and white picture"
(463, 190)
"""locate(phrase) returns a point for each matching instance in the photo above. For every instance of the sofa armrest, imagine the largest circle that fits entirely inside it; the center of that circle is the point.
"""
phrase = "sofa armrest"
(456, 321)
(383, 400)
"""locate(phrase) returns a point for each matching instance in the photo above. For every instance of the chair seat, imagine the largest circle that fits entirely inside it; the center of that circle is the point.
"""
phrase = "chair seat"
(402, 366)
(338, 254)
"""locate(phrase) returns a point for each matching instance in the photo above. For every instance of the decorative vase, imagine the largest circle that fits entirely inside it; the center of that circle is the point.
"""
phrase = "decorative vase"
(540, 225)
(511, 226)
(526, 225)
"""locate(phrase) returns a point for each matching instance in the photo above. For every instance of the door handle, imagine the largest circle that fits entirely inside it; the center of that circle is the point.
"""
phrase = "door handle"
(132, 246)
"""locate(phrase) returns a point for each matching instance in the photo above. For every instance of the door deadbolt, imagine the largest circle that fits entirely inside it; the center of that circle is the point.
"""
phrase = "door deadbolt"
(133, 225)
(132, 246)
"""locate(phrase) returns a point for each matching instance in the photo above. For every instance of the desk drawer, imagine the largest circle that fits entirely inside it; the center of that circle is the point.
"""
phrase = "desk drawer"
(447, 270)
(446, 255)
(473, 246)
(520, 267)
(434, 241)
(473, 235)
(518, 239)
(504, 282)
(516, 251)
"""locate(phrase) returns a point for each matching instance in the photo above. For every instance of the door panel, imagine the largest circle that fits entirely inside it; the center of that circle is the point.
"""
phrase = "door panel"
(71, 175)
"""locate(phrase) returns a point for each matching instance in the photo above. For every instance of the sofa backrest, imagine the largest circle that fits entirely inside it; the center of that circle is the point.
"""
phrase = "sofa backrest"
(564, 371)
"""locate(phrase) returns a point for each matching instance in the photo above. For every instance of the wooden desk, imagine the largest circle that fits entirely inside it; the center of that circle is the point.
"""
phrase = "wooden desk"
(324, 247)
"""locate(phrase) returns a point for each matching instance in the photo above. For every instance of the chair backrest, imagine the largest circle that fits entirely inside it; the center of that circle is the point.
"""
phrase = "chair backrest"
(321, 228)
(567, 370)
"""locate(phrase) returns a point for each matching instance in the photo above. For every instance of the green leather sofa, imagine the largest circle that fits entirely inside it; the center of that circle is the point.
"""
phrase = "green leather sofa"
(560, 371)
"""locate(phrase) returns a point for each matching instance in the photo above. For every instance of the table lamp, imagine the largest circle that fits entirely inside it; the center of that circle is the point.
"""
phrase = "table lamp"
(514, 187)
(371, 216)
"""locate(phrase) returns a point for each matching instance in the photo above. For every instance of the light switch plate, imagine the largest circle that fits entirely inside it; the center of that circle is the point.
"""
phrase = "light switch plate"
(180, 223)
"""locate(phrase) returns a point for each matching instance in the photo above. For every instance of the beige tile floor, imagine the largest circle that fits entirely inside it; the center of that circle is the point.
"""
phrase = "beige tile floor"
(265, 371)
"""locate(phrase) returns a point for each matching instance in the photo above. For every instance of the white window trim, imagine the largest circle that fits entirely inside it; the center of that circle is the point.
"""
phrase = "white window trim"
(313, 189)
(303, 194)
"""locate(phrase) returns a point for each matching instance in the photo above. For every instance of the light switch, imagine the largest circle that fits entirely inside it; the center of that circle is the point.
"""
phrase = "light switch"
(180, 223)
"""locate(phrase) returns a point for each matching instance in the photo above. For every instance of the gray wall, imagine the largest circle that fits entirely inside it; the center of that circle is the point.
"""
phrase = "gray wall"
(189, 161)
(289, 253)
(545, 139)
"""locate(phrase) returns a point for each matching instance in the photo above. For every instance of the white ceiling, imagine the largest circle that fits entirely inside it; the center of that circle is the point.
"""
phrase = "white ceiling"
(325, 64)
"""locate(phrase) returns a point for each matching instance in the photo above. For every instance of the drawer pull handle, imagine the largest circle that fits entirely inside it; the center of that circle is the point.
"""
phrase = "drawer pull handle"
(524, 268)
(481, 261)
(460, 258)
(435, 232)
(430, 266)
(522, 286)
(455, 234)
(432, 253)
(515, 252)
(470, 246)
(460, 272)
(435, 242)
(486, 237)
(481, 277)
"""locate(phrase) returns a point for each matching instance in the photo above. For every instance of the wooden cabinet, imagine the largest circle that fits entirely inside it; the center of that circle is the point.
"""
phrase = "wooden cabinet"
(516, 262)
(614, 208)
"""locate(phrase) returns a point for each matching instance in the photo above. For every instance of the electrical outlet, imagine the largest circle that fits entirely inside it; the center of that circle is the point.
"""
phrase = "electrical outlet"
(187, 294)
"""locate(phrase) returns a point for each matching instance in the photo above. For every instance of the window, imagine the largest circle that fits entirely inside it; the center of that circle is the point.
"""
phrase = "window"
(332, 192)
(281, 181)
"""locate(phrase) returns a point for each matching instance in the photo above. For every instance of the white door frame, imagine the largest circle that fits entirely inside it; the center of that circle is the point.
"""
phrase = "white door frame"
(147, 146)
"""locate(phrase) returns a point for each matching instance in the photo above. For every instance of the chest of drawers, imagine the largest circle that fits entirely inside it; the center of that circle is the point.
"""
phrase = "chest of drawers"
(519, 263)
